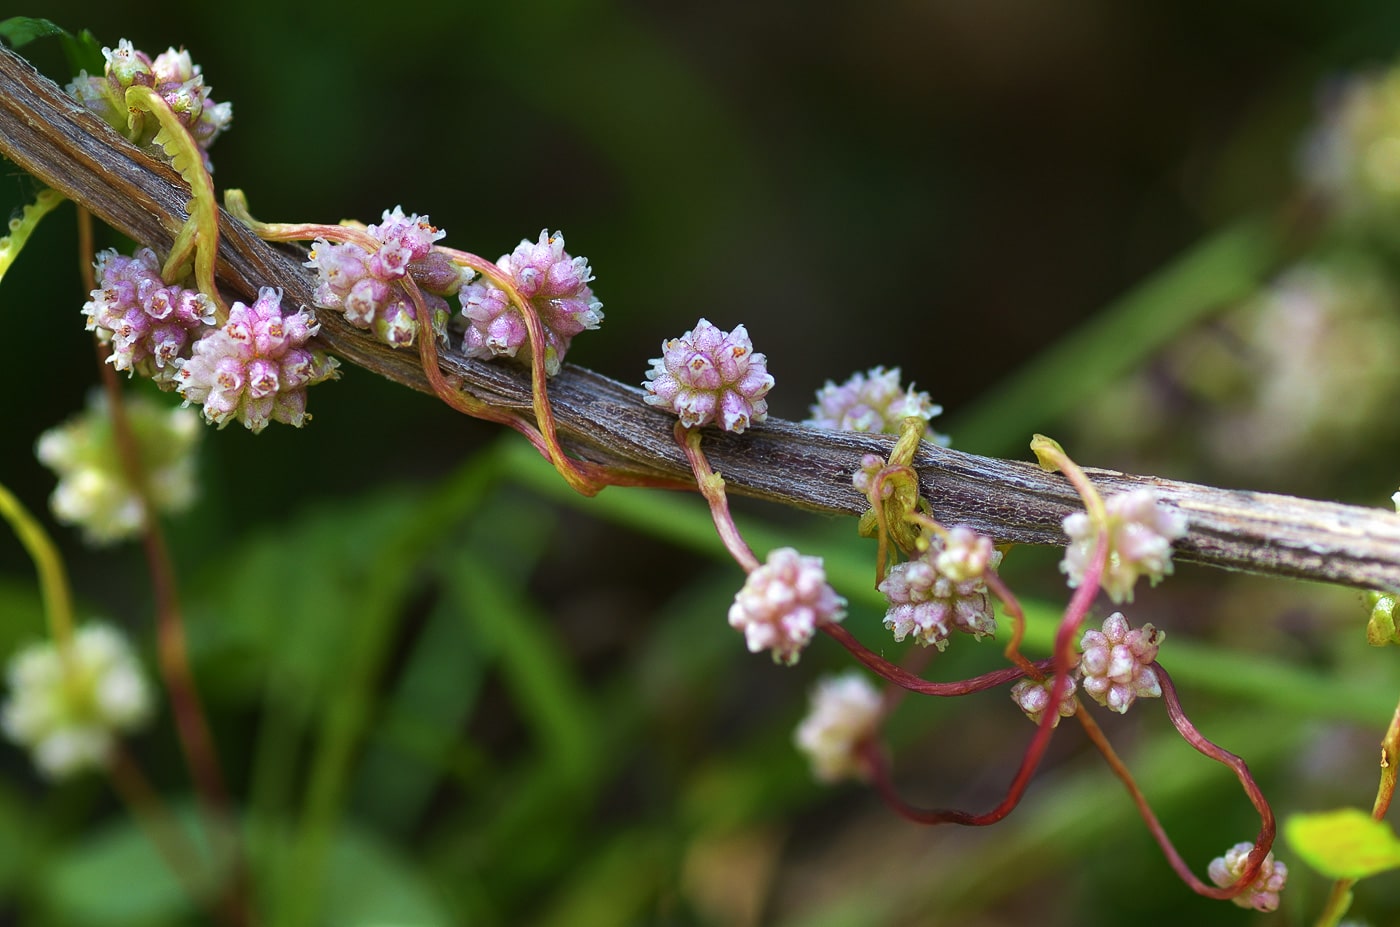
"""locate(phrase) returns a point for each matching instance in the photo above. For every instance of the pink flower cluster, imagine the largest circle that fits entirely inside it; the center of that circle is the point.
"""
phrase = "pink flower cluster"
(556, 287)
(782, 604)
(1115, 670)
(256, 367)
(1117, 663)
(710, 376)
(1033, 697)
(173, 75)
(367, 286)
(1140, 535)
(148, 323)
(943, 589)
(872, 402)
(1262, 893)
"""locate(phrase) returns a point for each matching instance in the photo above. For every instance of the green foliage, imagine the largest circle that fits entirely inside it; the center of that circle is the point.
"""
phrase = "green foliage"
(1343, 844)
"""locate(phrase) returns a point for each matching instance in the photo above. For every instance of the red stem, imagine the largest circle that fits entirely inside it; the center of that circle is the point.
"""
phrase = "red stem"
(1267, 829)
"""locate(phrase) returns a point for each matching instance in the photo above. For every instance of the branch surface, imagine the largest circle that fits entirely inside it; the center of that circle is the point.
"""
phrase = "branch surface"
(601, 420)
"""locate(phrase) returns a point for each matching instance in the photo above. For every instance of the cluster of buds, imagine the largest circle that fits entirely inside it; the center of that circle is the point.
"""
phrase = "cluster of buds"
(1263, 892)
(1034, 696)
(1140, 536)
(93, 490)
(148, 323)
(171, 74)
(874, 403)
(556, 287)
(68, 703)
(1116, 666)
(1115, 670)
(845, 711)
(368, 285)
(256, 367)
(942, 590)
(708, 376)
(782, 604)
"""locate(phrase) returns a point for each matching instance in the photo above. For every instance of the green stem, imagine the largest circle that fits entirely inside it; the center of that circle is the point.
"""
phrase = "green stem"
(22, 226)
(53, 579)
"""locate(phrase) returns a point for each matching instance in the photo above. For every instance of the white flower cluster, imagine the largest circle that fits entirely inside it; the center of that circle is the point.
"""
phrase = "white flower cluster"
(93, 491)
(844, 712)
(67, 706)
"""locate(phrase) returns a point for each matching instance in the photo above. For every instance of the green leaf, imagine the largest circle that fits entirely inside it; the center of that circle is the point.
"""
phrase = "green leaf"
(1343, 844)
(19, 31)
(116, 877)
(84, 52)
(371, 883)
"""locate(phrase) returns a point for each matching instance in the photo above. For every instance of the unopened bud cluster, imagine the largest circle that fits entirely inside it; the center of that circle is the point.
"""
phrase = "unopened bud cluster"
(782, 604)
(367, 286)
(1263, 892)
(1115, 670)
(942, 590)
(93, 491)
(1116, 667)
(1033, 697)
(844, 713)
(173, 75)
(68, 705)
(556, 287)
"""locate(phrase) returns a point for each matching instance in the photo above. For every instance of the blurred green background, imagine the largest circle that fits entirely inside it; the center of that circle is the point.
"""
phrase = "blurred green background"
(447, 693)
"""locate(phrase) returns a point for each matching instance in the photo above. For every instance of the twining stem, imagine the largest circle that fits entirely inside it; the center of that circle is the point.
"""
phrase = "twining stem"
(1062, 664)
(1053, 457)
(1159, 833)
(1267, 828)
(1018, 621)
(198, 238)
(712, 488)
(905, 679)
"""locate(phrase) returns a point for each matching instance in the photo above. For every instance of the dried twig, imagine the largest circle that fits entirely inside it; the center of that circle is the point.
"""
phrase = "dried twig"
(602, 420)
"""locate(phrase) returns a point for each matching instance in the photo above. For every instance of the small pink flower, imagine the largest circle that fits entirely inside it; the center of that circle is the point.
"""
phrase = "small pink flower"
(1140, 535)
(556, 286)
(1117, 663)
(1034, 699)
(710, 376)
(782, 604)
(864, 479)
(256, 367)
(1262, 893)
